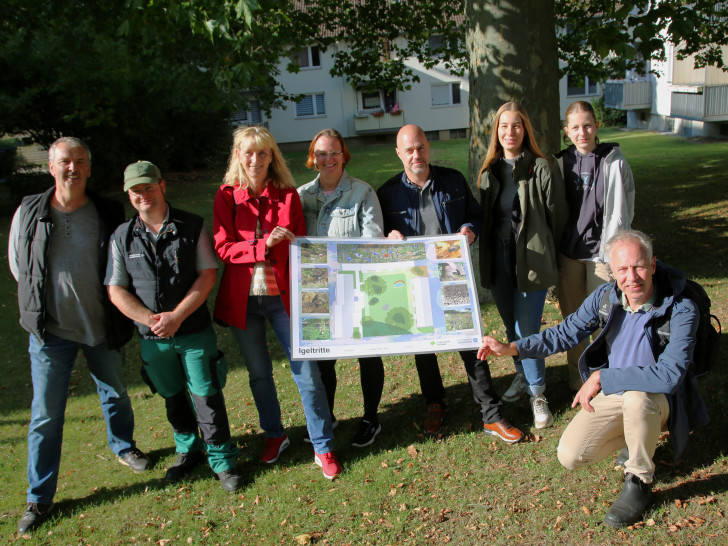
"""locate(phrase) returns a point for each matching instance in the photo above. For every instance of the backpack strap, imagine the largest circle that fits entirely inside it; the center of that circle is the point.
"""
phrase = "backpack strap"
(604, 306)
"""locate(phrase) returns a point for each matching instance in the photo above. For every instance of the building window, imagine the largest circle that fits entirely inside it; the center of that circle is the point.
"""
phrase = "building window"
(579, 85)
(458, 133)
(311, 105)
(445, 94)
(377, 100)
(307, 58)
(248, 116)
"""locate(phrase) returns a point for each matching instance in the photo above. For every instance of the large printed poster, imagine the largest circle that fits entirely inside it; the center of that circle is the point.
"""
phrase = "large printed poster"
(367, 297)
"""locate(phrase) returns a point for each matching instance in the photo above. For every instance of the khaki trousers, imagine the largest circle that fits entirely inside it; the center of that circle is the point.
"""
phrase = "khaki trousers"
(578, 279)
(633, 419)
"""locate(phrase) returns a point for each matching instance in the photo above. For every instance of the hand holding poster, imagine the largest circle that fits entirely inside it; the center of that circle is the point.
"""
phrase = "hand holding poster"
(366, 297)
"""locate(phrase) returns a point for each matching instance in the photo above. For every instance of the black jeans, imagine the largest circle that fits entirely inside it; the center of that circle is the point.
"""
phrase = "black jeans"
(479, 378)
(371, 373)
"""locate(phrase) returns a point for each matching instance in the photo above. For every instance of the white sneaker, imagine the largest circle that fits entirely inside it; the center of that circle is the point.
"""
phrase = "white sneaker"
(542, 417)
(517, 390)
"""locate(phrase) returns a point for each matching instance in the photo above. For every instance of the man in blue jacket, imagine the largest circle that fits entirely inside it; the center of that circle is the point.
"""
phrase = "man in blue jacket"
(429, 200)
(633, 389)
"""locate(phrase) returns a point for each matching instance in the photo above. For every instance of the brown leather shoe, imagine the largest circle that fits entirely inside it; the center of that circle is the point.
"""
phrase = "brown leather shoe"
(504, 430)
(433, 420)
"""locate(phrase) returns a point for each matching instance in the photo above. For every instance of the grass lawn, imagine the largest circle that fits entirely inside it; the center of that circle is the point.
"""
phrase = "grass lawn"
(463, 487)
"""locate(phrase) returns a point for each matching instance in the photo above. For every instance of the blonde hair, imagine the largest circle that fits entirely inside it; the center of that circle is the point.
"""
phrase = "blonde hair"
(495, 149)
(574, 108)
(257, 137)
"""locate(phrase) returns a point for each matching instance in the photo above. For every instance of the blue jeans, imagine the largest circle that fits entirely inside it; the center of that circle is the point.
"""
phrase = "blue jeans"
(254, 349)
(521, 313)
(51, 364)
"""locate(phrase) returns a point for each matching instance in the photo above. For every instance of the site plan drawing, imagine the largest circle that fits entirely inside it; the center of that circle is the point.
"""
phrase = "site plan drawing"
(367, 297)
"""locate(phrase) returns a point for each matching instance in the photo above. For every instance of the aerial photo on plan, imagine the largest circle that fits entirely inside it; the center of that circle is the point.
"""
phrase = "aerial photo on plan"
(382, 296)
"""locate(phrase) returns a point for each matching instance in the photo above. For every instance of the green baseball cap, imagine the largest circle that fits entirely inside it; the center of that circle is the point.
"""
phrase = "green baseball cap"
(141, 172)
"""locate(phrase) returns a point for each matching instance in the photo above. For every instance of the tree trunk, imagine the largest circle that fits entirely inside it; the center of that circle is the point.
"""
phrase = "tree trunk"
(513, 56)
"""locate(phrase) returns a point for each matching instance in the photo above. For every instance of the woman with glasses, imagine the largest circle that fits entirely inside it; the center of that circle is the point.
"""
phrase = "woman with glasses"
(257, 213)
(337, 205)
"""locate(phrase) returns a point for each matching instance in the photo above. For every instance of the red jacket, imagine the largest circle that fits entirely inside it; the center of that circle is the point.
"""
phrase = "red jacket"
(235, 216)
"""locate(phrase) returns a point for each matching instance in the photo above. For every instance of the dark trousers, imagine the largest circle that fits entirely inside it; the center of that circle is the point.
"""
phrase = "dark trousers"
(371, 373)
(479, 378)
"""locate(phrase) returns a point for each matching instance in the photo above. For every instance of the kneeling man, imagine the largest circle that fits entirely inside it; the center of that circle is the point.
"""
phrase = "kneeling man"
(634, 388)
(161, 269)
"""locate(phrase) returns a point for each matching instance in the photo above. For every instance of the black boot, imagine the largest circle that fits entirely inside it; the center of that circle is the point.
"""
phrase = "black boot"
(631, 504)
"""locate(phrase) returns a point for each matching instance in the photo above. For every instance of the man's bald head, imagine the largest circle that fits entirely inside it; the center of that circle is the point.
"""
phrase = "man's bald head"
(414, 152)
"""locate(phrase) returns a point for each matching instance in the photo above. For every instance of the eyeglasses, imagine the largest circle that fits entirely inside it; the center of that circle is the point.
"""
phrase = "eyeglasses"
(325, 155)
(144, 190)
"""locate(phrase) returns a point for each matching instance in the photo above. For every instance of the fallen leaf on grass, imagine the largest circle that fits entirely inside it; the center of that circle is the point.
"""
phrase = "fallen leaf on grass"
(384, 465)
(446, 475)
(650, 522)
(706, 500)
(586, 510)
(543, 490)
(257, 500)
(302, 539)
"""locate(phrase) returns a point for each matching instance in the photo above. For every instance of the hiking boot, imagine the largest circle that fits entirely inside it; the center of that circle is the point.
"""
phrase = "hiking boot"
(631, 504)
(273, 449)
(135, 459)
(230, 479)
(329, 464)
(183, 465)
(542, 417)
(433, 419)
(365, 433)
(34, 516)
(503, 430)
(517, 390)
(334, 424)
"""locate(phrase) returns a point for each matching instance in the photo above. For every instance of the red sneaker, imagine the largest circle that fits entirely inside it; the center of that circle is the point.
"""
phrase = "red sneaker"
(329, 464)
(273, 448)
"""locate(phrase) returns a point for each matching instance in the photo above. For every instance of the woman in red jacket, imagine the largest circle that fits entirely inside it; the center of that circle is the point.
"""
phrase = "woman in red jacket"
(257, 214)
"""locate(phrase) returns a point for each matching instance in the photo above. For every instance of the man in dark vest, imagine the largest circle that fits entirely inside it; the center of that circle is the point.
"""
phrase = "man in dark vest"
(161, 269)
(57, 253)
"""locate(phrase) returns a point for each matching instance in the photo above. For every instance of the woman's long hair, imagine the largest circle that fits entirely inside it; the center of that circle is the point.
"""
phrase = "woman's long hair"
(495, 149)
(260, 138)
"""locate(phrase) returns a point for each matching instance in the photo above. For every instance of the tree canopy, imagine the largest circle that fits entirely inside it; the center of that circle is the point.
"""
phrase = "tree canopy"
(159, 78)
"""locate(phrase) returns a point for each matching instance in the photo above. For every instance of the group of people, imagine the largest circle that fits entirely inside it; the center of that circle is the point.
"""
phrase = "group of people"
(83, 272)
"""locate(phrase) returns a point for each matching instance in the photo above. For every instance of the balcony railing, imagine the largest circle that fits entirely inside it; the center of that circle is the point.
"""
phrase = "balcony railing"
(628, 95)
(702, 103)
(378, 123)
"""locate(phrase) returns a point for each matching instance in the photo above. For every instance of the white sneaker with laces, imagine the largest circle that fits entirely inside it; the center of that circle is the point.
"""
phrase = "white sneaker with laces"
(517, 390)
(542, 417)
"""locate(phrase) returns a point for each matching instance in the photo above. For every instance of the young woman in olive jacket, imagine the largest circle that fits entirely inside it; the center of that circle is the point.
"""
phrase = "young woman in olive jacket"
(524, 214)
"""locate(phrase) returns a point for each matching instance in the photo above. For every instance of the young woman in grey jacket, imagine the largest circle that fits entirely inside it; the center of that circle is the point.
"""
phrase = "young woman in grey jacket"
(600, 193)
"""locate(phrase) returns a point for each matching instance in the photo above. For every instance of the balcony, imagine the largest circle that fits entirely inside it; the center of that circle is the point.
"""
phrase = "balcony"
(702, 103)
(628, 95)
(379, 123)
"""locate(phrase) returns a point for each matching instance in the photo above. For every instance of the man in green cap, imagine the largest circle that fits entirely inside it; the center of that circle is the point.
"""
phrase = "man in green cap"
(161, 269)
